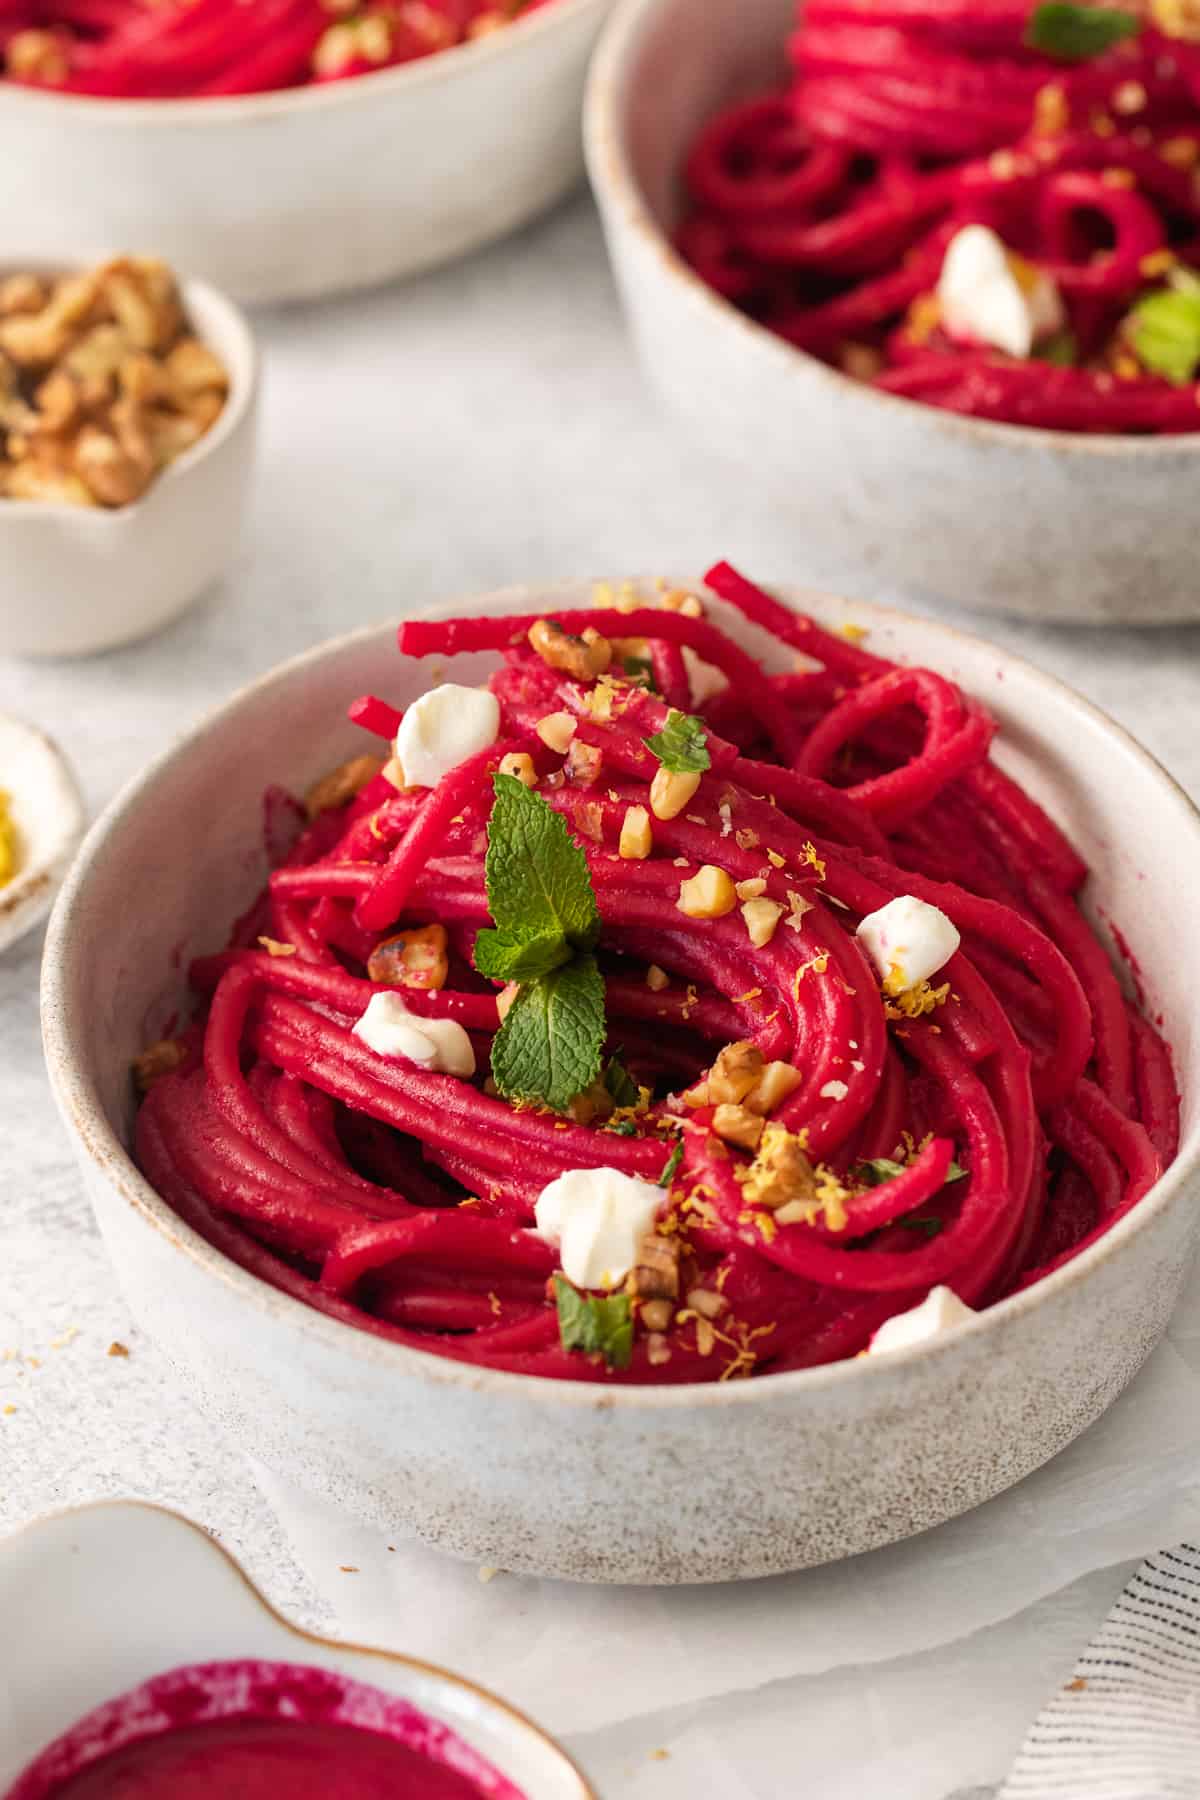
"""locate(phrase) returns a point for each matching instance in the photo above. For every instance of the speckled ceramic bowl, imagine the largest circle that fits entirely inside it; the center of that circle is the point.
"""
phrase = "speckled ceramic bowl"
(112, 1595)
(884, 493)
(317, 190)
(670, 1485)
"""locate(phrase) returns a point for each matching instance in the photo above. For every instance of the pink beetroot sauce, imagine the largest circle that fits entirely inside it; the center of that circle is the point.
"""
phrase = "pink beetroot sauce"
(259, 1731)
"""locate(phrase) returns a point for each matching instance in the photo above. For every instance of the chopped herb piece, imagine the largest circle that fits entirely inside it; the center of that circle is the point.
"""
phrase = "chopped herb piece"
(622, 1128)
(878, 1169)
(682, 744)
(1077, 33)
(671, 1165)
(1062, 350)
(1164, 329)
(928, 1224)
(641, 670)
(621, 1086)
(598, 1327)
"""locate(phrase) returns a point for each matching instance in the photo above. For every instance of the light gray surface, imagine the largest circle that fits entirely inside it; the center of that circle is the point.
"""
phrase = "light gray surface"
(485, 425)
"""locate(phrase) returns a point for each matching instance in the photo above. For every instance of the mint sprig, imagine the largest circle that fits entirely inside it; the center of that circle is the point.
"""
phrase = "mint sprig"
(623, 1090)
(599, 1327)
(671, 1165)
(682, 744)
(1164, 330)
(546, 925)
(1078, 33)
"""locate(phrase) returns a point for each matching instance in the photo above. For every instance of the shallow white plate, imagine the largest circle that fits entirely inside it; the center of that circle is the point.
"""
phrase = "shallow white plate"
(47, 809)
(95, 1601)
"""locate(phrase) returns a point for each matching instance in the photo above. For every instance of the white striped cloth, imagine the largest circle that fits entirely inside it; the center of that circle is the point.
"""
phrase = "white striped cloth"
(1127, 1726)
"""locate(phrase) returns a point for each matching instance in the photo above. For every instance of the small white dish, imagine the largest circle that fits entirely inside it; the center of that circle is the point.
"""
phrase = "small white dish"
(103, 1598)
(953, 511)
(77, 579)
(47, 810)
(318, 190)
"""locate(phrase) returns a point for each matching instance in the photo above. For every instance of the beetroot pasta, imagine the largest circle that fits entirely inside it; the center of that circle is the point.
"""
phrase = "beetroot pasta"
(650, 1016)
(992, 208)
(197, 49)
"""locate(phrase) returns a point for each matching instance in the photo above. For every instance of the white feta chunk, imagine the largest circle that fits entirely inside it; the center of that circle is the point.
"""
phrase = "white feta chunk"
(988, 295)
(389, 1029)
(939, 1311)
(443, 728)
(596, 1218)
(908, 941)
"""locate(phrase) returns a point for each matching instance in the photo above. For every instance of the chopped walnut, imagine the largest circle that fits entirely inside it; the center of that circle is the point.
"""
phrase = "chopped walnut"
(734, 1073)
(781, 1172)
(656, 1270)
(592, 1106)
(583, 763)
(738, 1125)
(38, 56)
(100, 388)
(341, 784)
(583, 658)
(159, 1060)
(415, 958)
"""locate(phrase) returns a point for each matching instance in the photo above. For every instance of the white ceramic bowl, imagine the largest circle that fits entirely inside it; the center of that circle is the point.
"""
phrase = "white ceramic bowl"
(883, 491)
(108, 1596)
(76, 579)
(47, 810)
(316, 190)
(647, 1485)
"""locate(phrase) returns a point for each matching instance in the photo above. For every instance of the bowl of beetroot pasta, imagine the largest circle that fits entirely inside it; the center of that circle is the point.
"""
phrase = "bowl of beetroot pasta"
(931, 274)
(660, 1050)
(288, 150)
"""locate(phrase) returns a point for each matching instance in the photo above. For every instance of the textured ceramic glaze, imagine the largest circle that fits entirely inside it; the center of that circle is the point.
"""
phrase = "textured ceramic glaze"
(897, 495)
(669, 1485)
(46, 809)
(75, 579)
(109, 1596)
(317, 190)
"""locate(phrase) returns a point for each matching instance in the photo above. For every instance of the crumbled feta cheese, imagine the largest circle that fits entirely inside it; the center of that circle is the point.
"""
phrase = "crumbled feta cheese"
(834, 1090)
(443, 728)
(908, 941)
(987, 295)
(389, 1029)
(597, 1218)
(939, 1310)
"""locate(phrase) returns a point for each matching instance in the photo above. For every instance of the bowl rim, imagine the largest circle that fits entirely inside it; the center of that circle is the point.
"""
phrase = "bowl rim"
(215, 109)
(200, 298)
(620, 197)
(70, 1080)
(492, 1701)
(28, 896)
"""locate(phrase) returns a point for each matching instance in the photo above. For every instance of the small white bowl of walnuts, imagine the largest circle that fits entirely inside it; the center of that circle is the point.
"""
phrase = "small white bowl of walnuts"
(127, 415)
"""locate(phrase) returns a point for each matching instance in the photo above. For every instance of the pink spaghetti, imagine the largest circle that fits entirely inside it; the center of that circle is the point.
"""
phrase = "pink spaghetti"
(197, 49)
(976, 1133)
(824, 209)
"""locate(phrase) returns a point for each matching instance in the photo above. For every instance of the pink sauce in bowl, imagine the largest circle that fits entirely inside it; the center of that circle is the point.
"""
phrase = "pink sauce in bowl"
(259, 1731)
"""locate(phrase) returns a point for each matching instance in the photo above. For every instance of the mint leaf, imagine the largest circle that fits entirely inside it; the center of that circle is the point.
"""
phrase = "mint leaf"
(537, 877)
(597, 1327)
(671, 1165)
(1062, 350)
(503, 957)
(878, 1169)
(1077, 33)
(548, 1048)
(622, 1128)
(622, 1089)
(1164, 330)
(928, 1224)
(681, 745)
